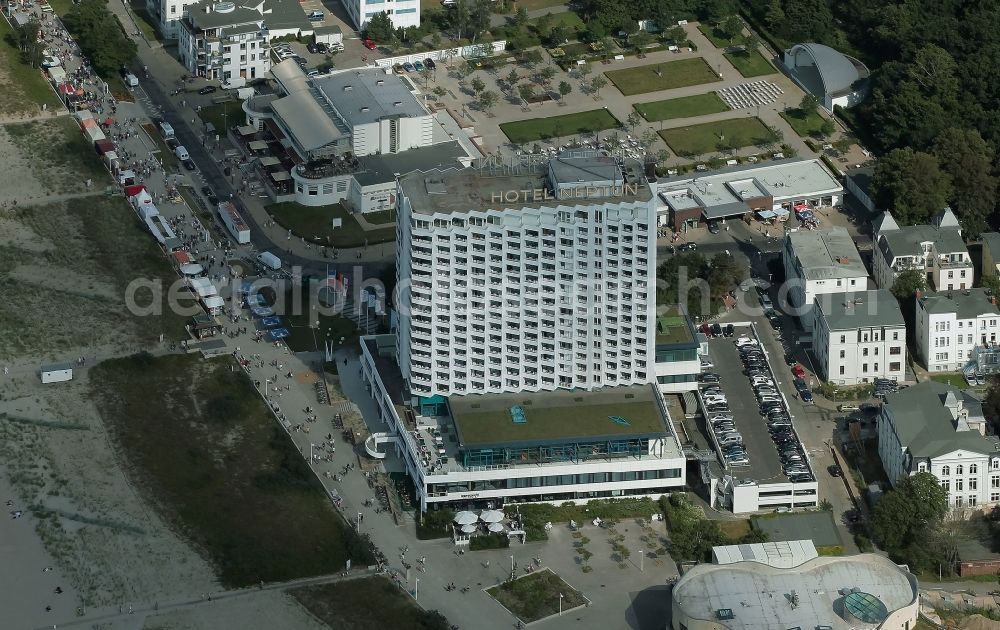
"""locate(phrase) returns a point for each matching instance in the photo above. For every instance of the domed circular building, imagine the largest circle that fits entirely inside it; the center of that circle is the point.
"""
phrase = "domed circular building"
(865, 591)
(831, 76)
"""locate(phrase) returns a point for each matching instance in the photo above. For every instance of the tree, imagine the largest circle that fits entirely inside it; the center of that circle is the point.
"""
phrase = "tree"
(968, 160)
(426, 74)
(808, 104)
(750, 43)
(675, 34)
(380, 28)
(487, 100)
(774, 16)
(512, 78)
(564, 89)
(478, 85)
(905, 519)
(520, 17)
(32, 50)
(439, 91)
(479, 17)
(732, 27)
(532, 58)
(597, 83)
(911, 184)
(640, 40)
(584, 70)
(827, 128)
(908, 283)
(527, 92)
(461, 17)
(546, 74)
(648, 138)
(100, 36)
(633, 120)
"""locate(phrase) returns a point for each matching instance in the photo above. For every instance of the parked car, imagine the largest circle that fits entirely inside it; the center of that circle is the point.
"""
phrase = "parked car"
(430, 63)
(210, 195)
(798, 371)
(189, 165)
(716, 330)
(369, 44)
(847, 408)
(409, 67)
(729, 330)
(208, 89)
(835, 470)
(419, 66)
(709, 377)
(687, 247)
(713, 227)
(312, 48)
(745, 341)
(806, 396)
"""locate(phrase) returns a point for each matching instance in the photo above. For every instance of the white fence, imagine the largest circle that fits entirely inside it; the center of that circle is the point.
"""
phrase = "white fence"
(468, 52)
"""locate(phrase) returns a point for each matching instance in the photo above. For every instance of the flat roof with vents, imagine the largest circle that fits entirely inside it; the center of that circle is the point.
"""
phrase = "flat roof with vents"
(365, 96)
(522, 419)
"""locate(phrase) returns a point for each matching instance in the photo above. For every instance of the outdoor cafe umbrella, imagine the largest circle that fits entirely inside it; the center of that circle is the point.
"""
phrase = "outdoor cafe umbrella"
(468, 529)
(495, 527)
(109, 121)
(491, 516)
(466, 518)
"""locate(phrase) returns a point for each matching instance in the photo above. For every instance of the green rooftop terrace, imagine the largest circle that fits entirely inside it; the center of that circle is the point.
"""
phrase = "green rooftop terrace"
(613, 413)
(673, 327)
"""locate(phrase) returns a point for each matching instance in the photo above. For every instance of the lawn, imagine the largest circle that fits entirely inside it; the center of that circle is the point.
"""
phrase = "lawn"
(372, 603)
(569, 20)
(206, 452)
(536, 596)
(145, 21)
(954, 379)
(222, 115)
(662, 76)
(381, 217)
(314, 224)
(684, 107)
(804, 125)
(523, 131)
(306, 338)
(717, 37)
(752, 65)
(533, 5)
(537, 515)
(706, 138)
(25, 89)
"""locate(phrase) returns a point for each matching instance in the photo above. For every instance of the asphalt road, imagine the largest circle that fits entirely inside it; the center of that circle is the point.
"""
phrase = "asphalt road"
(214, 176)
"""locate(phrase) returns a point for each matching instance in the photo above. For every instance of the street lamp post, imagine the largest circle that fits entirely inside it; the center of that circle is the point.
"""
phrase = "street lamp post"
(311, 445)
(512, 563)
(359, 525)
(560, 604)
(416, 589)
(641, 561)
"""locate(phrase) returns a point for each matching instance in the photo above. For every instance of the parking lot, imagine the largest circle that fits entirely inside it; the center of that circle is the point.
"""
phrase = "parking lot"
(764, 464)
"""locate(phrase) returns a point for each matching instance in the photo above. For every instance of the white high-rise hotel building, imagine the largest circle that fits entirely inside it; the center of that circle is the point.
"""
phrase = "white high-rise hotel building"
(526, 277)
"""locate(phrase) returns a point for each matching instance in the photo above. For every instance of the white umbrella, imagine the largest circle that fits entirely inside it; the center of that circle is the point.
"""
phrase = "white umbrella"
(466, 518)
(191, 269)
(491, 516)
(496, 527)
(468, 529)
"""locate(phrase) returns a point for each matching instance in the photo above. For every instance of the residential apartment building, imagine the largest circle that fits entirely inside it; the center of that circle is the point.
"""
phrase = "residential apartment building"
(526, 276)
(403, 13)
(819, 262)
(859, 336)
(936, 250)
(953, 326)
(678, 363)
(936, 428)
(282, 17)
(219, 41)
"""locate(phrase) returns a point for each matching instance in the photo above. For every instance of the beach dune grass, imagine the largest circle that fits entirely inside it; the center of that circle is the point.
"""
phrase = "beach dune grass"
(655, 77)
(536, 596)
(705, 138)
(522, 131)
(204, 449)
(367, 603)
(25, 89)
(683, 107)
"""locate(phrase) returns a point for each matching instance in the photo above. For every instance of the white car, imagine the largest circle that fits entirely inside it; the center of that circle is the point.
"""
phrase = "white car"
(745, 341)
(761, 380)
(51, 62)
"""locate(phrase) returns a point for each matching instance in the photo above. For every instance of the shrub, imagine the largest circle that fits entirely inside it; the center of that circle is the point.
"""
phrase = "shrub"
(435, 524)
(490, 541)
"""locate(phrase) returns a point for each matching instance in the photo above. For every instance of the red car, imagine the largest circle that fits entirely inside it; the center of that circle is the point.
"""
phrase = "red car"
(370, 45)
(798, 371)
